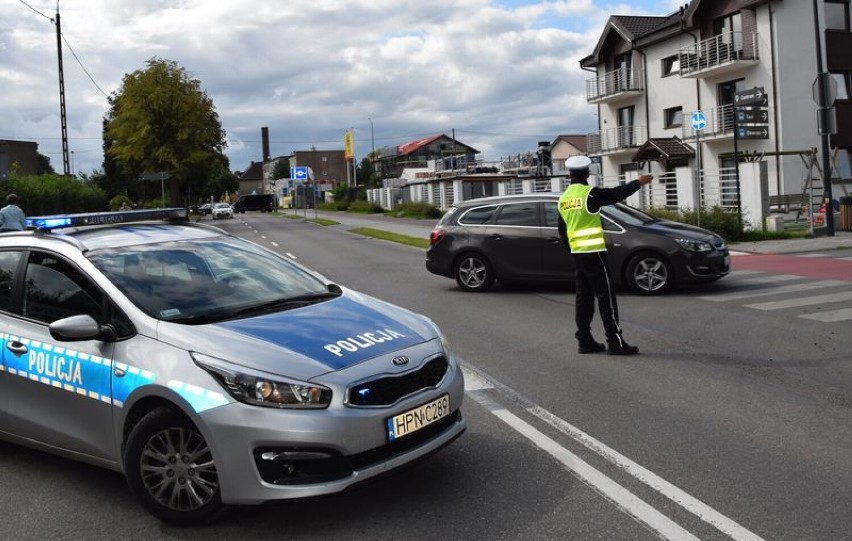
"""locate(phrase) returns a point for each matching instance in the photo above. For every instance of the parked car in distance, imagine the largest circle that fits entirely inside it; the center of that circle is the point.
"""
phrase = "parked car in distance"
(264, 202)
(515, 239)
(208, 370)
(206, 208)
(222, 210)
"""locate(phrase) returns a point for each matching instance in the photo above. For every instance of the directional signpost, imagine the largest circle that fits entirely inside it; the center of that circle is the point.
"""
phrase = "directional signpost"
(753, 132)
(755, 97)
(750, 114)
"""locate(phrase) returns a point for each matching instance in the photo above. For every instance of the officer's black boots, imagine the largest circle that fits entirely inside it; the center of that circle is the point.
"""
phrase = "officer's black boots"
(590, 346)
(621, 349)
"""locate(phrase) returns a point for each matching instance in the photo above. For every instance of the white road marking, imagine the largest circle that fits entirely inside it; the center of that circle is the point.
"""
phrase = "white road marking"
(733, 296)
(606, 486)
(291, 256)
(622, 497)
(803, 301)
(831, 316)
(813, 255)
(274, 243)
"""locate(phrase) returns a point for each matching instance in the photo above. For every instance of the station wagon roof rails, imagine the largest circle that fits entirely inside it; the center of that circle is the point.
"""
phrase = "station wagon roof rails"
(60, 221)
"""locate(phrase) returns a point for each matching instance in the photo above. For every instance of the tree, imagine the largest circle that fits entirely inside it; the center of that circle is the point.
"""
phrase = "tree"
(367, 175)
(161, 121)
(44, 167)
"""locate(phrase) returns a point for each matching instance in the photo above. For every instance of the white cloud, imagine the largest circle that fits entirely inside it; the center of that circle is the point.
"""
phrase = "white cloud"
(503, 74)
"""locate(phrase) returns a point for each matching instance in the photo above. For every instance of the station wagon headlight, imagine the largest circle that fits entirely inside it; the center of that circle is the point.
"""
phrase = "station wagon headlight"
(260, 389)
(693, 245)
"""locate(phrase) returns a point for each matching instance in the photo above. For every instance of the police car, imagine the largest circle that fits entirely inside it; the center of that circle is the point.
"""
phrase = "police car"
(209, 370)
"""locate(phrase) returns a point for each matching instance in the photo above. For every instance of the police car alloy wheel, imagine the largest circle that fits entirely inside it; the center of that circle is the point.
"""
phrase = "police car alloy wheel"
(170, 469)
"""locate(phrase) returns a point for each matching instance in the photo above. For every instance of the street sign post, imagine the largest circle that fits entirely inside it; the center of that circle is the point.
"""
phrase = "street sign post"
(753, 116)
(755, 97)
(753, 132)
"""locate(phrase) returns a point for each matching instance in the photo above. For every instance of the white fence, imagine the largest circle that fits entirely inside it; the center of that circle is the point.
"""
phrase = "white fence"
(674, 190)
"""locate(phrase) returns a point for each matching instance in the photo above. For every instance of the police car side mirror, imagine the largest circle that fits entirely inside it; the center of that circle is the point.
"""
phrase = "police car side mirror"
(79, 328)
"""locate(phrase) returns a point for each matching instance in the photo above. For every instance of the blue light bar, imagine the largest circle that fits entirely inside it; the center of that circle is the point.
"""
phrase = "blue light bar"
(46, 223)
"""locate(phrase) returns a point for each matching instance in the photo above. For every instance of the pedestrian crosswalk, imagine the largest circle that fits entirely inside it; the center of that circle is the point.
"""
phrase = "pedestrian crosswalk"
(811, 297)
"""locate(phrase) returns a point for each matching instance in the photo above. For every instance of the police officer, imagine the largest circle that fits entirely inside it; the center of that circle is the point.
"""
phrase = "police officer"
(581, 230)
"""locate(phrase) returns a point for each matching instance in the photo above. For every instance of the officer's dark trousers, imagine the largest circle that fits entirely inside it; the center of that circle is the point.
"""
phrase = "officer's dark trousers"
(594, 281)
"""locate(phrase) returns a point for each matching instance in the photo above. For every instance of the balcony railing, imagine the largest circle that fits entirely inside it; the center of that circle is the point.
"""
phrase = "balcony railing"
(720, 122)
(614, 84)
(617, 139)
(725, 52)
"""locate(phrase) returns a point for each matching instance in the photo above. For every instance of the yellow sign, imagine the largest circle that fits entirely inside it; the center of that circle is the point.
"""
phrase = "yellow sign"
(349, 145)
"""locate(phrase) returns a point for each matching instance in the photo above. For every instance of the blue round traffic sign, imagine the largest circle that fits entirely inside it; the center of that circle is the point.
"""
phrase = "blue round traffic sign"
(699, 121)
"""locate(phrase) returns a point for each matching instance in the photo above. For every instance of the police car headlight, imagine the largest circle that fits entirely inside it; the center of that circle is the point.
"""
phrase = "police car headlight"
(695, 245)
(260, 389)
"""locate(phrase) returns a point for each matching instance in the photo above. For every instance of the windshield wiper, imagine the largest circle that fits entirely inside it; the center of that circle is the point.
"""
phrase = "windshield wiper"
(287, 303)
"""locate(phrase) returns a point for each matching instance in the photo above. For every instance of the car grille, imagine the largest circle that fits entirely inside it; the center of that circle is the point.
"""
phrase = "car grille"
(388, 390)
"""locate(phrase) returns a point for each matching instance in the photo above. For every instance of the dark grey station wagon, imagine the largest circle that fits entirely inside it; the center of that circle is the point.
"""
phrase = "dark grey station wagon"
(515, 239)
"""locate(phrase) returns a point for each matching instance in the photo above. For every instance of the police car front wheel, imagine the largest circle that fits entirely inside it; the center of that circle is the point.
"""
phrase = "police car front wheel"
(170, 469)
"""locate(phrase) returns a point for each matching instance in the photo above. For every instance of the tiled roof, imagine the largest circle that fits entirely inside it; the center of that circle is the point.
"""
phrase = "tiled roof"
(577, 141)
(411, 146)
(663, 149)
(639, 26)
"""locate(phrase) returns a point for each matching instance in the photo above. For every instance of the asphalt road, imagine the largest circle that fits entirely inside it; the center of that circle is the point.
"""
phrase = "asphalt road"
(733, 422)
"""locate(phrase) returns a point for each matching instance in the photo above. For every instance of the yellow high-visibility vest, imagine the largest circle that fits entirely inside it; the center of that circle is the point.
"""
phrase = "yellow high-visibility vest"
(585, 230)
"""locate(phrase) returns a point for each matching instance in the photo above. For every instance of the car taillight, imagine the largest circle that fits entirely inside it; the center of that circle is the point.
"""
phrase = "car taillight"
(436, 235)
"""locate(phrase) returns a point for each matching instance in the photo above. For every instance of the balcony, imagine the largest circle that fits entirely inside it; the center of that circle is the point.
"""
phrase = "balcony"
(613, 86)
(720, 123)
(719, 55)
(617, 140)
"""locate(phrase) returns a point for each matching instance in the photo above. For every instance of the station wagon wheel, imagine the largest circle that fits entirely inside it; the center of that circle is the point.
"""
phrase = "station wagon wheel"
(170, 469)
(649, 274)
(473, 272)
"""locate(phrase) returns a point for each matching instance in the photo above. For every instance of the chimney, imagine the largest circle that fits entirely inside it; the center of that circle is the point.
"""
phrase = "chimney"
(264, 137)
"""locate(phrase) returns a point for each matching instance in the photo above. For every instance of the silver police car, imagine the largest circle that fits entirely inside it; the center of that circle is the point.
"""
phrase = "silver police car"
(207, 369)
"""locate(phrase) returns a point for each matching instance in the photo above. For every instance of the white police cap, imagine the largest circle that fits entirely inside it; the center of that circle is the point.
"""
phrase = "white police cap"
(578, 162)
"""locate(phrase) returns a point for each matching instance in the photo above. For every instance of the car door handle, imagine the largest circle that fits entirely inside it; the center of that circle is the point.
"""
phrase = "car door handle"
(18, 348)
(496, 236)
(554, 240)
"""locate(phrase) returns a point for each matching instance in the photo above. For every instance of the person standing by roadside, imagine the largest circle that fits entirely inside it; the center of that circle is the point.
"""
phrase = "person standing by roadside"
(12, 218)
(581, 230)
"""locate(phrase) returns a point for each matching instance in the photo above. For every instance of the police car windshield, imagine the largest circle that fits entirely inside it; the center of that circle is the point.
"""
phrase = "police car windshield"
(205, 280)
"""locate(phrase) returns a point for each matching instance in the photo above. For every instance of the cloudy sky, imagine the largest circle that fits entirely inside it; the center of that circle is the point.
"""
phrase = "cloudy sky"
(500, 74)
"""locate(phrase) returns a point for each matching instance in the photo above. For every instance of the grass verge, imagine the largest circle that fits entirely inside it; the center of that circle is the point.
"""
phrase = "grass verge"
(393, 237)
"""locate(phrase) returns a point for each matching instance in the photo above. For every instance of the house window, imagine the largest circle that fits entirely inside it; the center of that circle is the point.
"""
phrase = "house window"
(671, 65)
(730, 30)
(626, 132)
(673, 117)
(837, 15)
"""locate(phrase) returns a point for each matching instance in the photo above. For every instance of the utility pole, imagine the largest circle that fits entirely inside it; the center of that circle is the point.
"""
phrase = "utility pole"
(66, 167)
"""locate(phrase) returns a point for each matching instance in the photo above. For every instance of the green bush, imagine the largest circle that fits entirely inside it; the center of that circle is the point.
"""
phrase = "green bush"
(56, 194)
(365, 207)
(724, 223)
(418, 210)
